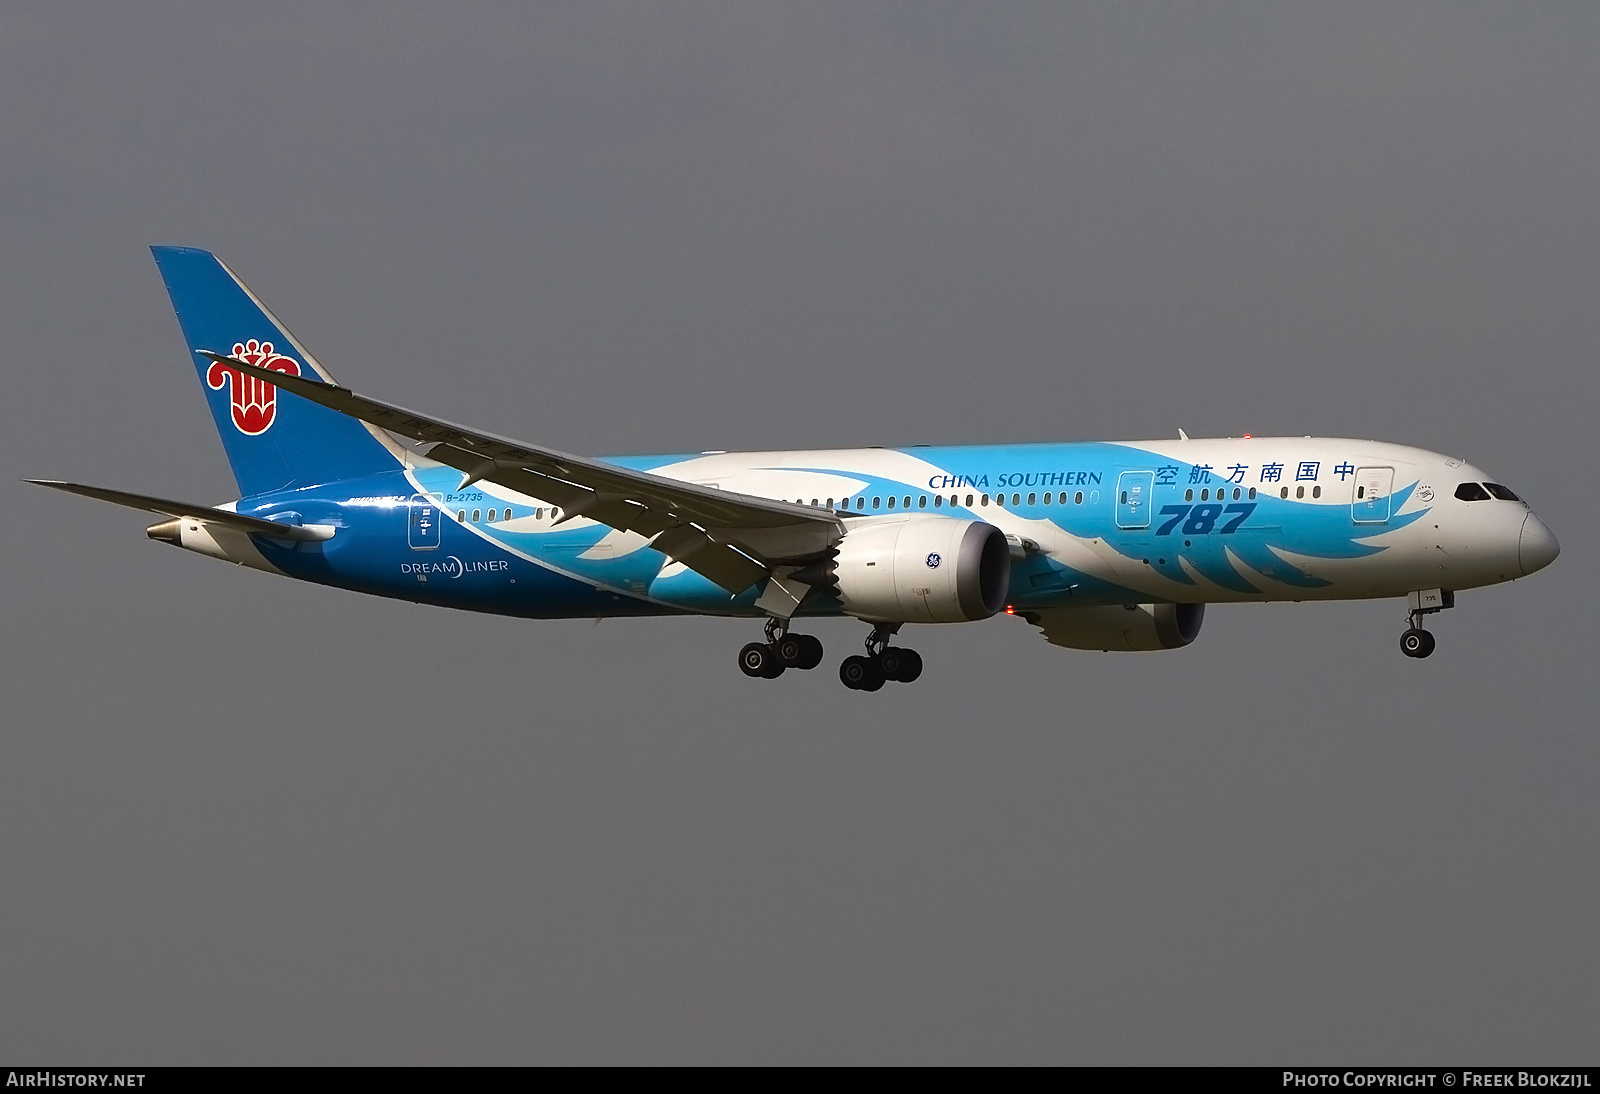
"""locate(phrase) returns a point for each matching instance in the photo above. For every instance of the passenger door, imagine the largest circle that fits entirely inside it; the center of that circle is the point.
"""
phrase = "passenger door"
(422, 526)
(1370, 505)
(1133, 498)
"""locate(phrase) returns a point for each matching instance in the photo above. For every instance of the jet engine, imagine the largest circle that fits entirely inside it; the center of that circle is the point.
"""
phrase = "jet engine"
(922, 569)
(1120, 626)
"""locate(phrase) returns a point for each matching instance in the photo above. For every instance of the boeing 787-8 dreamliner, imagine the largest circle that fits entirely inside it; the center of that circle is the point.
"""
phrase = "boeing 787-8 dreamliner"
(1101, 545)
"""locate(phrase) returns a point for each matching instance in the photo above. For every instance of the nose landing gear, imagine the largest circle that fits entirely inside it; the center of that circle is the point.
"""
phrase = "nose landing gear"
(1416, 642)
(782, 650)
(883, 662)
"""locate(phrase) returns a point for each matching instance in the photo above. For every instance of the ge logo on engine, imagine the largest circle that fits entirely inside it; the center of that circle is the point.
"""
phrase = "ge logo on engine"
(933, 561)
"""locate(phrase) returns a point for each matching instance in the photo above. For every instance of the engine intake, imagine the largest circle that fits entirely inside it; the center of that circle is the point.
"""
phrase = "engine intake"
(923, 570)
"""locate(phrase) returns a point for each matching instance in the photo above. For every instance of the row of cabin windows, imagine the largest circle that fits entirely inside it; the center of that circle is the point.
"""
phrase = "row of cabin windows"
(1467, 491)
(938, 501)
(1222, 493)
(494, 514)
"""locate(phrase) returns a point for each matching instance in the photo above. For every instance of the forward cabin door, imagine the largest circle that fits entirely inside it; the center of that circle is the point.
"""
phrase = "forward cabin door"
(1370, 505)
(1133, 498)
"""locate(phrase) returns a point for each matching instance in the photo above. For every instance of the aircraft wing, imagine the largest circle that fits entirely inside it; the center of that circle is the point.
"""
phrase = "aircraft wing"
(733, 539)
(202, 513)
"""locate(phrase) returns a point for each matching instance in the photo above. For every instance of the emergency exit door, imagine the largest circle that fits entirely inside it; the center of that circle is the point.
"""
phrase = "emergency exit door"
(1133, 498)
(422, 528)
(1374, 485)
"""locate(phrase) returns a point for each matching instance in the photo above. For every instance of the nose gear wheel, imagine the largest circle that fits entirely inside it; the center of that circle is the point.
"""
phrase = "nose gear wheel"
(1416, 642)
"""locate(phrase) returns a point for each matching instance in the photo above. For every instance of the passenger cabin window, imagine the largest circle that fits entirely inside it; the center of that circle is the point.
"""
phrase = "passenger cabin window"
(876, 500)
(1252, 493)
(861, 502)
(461, 515)
(475, 514)
(1188, 495)
(922, 502)
(1500, 492)
(1077, 499)
(1047, 497)
(906, 502)
(1316, 491)
(491, 516)
(1471, 491)
(1016, 500)
(984, 500)
(508, 514)
(891, 503)
(1030, 499)
(969, 500)
(1283, 491)
(938, 501)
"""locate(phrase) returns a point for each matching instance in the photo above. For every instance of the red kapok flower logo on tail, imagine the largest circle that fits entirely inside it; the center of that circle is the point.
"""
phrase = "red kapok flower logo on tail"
(255, 402)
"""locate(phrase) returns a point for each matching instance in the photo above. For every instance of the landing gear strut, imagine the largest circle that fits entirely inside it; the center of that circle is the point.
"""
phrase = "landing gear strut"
(1416, 642)
(883, 662)
(782, 650)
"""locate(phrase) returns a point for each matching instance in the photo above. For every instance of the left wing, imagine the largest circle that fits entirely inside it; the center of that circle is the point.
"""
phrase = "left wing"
(733, 539)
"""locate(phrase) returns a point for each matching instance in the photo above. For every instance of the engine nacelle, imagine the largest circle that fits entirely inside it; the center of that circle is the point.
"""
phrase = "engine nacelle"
(1121, 626)
(923, 569)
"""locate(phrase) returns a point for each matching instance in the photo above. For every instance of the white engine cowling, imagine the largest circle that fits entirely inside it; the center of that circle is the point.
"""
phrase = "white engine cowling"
(923, 570)
(1121, 626)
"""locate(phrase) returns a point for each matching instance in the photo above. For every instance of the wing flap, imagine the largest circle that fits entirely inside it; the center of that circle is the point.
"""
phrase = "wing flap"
(731, 538)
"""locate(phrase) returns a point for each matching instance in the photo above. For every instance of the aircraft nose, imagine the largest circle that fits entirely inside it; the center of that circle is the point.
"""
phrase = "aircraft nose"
(1538, 547)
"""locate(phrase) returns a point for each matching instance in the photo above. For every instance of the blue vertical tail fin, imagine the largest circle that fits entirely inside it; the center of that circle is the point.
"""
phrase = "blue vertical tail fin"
(273, 440)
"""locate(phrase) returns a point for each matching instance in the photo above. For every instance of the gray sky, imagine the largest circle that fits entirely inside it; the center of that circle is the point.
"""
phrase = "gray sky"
(247, 820)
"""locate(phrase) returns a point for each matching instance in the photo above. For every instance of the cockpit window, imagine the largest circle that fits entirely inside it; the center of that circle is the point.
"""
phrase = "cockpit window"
(1471, 491)
(1500, 492)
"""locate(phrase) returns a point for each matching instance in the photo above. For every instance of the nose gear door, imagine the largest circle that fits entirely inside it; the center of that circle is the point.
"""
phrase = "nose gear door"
(1370, 505)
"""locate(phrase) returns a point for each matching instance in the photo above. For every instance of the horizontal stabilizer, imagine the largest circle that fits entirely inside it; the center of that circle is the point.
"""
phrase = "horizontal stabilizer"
(203, 513)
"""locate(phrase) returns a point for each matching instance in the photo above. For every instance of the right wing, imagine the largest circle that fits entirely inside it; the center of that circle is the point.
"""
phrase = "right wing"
(733, 539)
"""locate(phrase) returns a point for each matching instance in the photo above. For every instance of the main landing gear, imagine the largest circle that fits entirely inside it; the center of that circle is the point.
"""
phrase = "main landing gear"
(1416, 642)
(782, 650)
(883, 662)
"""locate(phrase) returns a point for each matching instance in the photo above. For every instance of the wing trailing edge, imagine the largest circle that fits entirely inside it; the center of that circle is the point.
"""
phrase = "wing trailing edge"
(732, 539)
